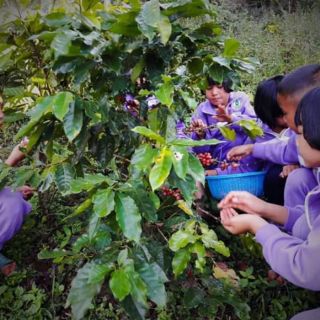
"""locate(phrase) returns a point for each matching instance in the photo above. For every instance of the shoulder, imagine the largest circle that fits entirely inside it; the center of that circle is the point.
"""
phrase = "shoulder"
(205, 107)
(238, 100)
(239, 95)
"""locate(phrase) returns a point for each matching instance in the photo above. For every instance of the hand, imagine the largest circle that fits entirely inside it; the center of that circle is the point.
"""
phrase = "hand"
(16, 154)
(244, 201)
(222, 114)
(198, 127)
(240, 223)
(27, 192)
(286, 170)
(211, 172)
(239, 152)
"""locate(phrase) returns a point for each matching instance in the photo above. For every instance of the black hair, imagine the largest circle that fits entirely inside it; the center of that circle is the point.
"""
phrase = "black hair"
(301, 79)
(226, 84)
(265, 101)
(308, 115)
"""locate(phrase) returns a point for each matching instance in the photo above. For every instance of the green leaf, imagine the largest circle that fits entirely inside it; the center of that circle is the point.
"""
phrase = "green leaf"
(231, 46)
(146, 201)
(161, 170)
(195, 66)
(61, 44)
(144, 156)
(165, 94)
(180, 261)
(64, 174)
(48, 254)
(84, 287)
(194, 143)
(193, 297)
(61, 104)
(56, 19)
(154, 278)
(103, 202)
(218, 72)
(123, 257)
(251, 128)
(220, 247)
(195, 169)
(165, 29)
(72, 122)
(171, 128)
(199, 249)
(185, 207)
(189, 100)
(137, 69)
(88, 182)
(180, 239)
(128, 217)
(224, 62)
(209, 239)
(138, 287)
(187, 8)
(149, 134)
(180, 160)
(228, 133)
(187, 186)
(13, 91)
(88, 4)
(151, 13)
(126, 24)
(135, 310)
(119, 284)
(43, 107)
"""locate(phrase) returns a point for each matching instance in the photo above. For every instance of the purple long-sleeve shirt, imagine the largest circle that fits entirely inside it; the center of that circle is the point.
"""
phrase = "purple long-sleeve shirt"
(13, 209)
(278, 151)
(239, 108)
(297, 260)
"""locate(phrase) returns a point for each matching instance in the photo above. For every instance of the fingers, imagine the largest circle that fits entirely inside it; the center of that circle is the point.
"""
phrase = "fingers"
(226, 215)
(24, 142)
(211, 172)
(231, 199)
(234, 154)
(286, 170)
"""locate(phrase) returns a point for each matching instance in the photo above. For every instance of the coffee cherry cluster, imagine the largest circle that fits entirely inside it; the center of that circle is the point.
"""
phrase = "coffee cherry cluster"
(175, 193)
(206, 159)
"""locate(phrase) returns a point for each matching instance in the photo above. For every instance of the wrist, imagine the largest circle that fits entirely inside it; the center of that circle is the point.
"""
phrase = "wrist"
(250, 148)
(256, 224)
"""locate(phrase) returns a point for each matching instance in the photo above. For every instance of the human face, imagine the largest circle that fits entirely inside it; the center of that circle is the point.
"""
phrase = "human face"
(217, 95)
(281, 124)
(289, 104)
(310, 155)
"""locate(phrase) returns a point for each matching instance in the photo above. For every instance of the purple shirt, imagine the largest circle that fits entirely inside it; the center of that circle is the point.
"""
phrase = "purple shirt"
(297, 260)
(239, 108)
(13, 209)
(278, 151)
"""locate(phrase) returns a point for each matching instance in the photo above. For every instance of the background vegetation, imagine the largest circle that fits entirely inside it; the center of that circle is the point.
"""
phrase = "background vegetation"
(282, 37)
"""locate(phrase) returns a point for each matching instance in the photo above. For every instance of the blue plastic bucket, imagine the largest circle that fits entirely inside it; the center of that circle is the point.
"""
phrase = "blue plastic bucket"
(221, 185)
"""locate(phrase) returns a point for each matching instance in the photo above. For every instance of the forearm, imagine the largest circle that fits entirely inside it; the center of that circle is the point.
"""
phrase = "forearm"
(275, 213)
(15, 157)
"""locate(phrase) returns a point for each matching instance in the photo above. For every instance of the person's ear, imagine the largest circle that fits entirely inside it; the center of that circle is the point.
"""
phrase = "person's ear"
(300, 129)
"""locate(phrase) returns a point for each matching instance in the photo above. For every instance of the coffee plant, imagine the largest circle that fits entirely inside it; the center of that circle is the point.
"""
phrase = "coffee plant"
(98, 89)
